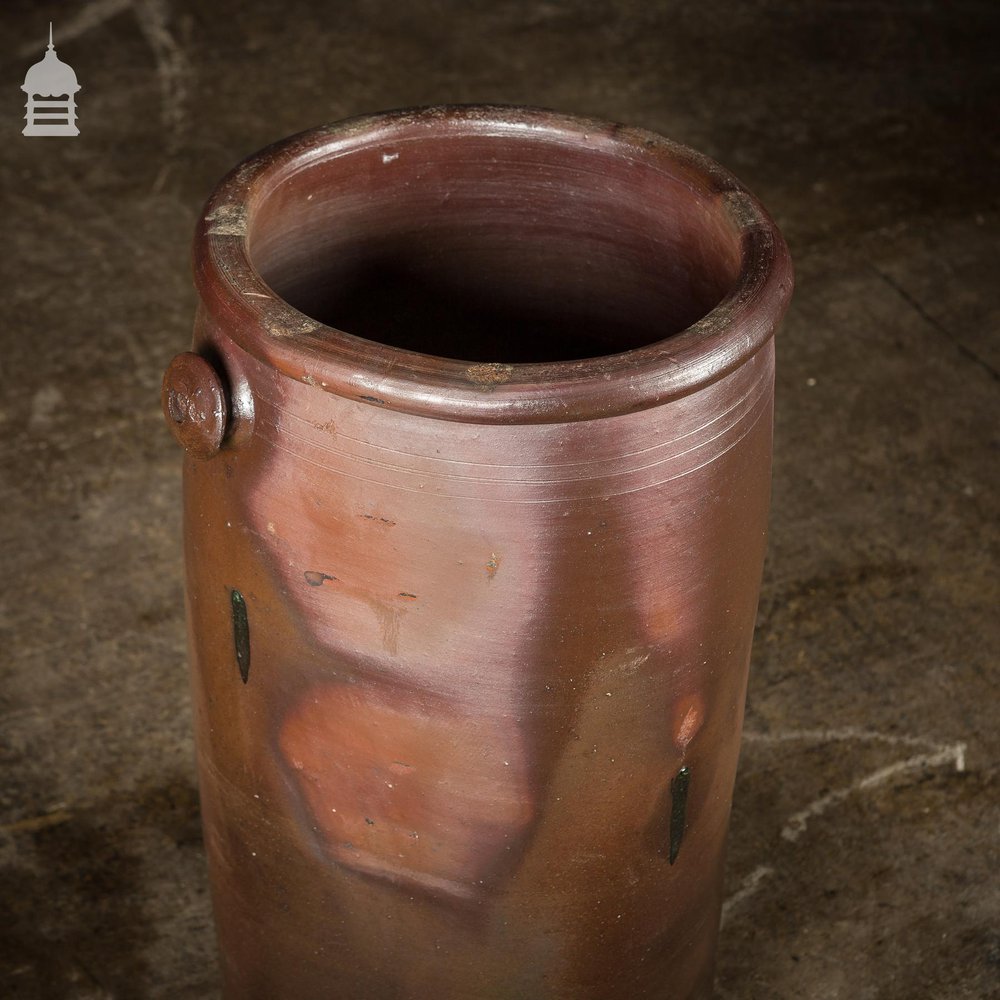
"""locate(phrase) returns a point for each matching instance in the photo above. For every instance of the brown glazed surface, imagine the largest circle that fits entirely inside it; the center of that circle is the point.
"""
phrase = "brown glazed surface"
(467, 595)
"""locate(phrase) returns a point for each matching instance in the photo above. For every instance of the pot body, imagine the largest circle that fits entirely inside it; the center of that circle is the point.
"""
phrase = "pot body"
(468, 694)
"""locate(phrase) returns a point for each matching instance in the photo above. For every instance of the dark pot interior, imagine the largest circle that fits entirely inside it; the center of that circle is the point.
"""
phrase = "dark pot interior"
(525, 246)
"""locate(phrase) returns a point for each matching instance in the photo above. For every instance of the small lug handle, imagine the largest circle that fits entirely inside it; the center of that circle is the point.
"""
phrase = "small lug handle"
(194, 404)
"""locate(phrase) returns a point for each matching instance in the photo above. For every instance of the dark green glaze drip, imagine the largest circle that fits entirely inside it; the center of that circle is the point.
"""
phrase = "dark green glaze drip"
(241, 633)
(678, 807)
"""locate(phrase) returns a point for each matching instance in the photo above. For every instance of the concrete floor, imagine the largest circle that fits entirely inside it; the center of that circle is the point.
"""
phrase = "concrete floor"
(863, 859)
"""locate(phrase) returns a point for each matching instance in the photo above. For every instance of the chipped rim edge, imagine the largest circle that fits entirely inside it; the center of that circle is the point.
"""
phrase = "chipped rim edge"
(244, 308)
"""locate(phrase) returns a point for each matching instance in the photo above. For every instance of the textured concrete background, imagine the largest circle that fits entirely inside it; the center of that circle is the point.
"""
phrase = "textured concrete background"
(863, 859)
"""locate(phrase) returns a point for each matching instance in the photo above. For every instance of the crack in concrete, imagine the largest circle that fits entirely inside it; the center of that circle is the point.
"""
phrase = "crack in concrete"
(934, 755)
(936, 325)
(172, 69)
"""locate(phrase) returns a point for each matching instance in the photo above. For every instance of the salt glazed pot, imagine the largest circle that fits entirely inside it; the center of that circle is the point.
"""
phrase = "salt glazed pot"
(478, 429)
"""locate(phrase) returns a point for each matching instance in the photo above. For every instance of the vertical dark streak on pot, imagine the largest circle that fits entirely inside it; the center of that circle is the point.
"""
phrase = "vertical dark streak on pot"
(678, 808)
(241, 633)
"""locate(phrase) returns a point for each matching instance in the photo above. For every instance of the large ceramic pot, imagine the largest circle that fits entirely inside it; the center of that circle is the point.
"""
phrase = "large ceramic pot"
(478, 423)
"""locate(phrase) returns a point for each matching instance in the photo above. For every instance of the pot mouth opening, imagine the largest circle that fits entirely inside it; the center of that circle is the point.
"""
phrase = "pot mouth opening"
(479, 262)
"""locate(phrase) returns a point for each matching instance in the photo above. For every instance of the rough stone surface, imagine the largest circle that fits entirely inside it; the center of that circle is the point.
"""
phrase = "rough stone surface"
(863, 859)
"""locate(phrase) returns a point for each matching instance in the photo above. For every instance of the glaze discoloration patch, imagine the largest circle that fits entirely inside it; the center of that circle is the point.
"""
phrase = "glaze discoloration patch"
(489, 374)
(228, 219)
(415, 793)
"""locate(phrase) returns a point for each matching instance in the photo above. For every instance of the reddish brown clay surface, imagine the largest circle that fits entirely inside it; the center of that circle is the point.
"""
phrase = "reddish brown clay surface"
(473, 568)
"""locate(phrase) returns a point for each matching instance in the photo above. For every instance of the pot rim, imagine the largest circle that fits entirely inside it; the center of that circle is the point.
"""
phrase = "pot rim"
(273, 331)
